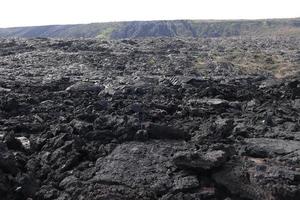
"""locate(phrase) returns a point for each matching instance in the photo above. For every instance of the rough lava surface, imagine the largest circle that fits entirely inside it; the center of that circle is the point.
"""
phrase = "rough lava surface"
(140, 119)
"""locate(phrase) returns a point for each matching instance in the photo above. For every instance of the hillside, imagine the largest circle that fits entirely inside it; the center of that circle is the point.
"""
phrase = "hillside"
(173, 28)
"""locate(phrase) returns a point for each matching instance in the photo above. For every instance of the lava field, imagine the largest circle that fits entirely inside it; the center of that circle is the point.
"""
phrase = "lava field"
(165, 119)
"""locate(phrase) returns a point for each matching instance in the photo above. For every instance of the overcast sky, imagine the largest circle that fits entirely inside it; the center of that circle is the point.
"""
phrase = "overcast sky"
(45, 12)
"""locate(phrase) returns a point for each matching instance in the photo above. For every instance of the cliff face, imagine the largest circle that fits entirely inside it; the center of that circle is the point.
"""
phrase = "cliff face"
(155, 29)
(175, 28)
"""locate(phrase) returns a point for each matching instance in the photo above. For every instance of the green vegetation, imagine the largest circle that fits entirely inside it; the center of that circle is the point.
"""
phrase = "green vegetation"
(105, 34)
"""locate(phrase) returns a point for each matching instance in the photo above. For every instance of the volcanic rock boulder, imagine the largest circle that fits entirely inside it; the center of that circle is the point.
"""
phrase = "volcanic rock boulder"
(160, 131)
(200, 161)
(85, 87)
(259, 179)
(265, 147)
(7, 160)
(145, 169)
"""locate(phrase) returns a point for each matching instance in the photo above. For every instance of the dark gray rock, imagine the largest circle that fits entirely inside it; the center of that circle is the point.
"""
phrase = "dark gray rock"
(200, 161)
(4, 90)
(141, 135)
(81, 127)
(8, 162)
(27, 186)
(264, 147)
(85, 87)
(149, 119)
(160, 131)
(236, 180)
(70, 181)
(186, 183)
(148, 167)
(222, 127)
(296, 104)
(12, 142)
(254, 180)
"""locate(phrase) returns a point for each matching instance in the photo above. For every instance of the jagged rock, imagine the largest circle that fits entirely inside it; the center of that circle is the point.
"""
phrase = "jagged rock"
(223, 69)
(204, 193)
(7, 160)
(222, 127)
(186, 183)
(10, 104)
(85, 87)
(264, 147)
(4, 186)
(147, 165)
(25, 142)
(296, 104)
(26, 185)
(81, 127)
(206, 106)
(255, 181)
(70, 181)
(149, 119)
(158, 131)
(12, 142)
(210, 102)
(4, 89)
(109, 90)
(48, 192)
(236, 180)
(242, 130)
(141, 135)
(200, 161)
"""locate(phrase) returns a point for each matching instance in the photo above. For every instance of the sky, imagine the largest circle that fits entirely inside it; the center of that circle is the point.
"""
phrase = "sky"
(45, 12)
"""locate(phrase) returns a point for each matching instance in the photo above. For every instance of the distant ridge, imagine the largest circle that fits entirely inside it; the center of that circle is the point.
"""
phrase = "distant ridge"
(164, 28)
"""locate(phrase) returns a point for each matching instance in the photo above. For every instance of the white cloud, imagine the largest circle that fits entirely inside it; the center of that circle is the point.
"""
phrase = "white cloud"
(43, 12)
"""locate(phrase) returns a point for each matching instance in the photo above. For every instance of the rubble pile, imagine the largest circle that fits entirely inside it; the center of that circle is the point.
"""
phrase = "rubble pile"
(136, 119)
